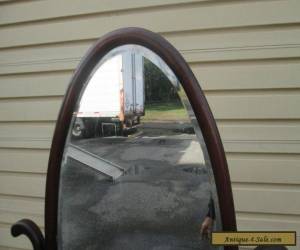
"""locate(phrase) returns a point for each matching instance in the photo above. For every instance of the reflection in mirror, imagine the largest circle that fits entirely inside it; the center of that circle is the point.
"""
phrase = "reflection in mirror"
(136, 172)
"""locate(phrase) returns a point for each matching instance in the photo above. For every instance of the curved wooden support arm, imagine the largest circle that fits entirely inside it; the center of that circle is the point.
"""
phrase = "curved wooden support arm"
(31, 230)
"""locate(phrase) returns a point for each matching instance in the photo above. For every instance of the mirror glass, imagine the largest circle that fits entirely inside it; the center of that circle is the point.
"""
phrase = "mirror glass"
(135, 172)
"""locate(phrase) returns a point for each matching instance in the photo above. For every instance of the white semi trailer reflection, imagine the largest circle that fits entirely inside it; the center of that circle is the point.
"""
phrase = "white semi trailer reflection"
(113, 100)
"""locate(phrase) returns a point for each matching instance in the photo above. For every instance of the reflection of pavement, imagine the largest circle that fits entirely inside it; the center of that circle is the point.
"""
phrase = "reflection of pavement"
(158, 203)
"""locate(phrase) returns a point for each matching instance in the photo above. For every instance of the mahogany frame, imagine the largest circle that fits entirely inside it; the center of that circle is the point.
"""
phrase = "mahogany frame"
(206, 121)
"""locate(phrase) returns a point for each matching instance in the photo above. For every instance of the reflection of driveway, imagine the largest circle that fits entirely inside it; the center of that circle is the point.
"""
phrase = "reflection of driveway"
(173, 148)
(158, 203)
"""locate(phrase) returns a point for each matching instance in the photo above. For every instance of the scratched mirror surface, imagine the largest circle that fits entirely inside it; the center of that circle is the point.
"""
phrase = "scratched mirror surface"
(135, 173)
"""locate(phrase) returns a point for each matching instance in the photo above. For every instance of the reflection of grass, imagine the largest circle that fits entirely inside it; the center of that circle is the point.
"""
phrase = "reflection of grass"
(165, 112)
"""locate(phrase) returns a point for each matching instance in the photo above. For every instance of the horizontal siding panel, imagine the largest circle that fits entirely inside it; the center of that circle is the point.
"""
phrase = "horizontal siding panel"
(260, 223)
(205, 40)
(22, 204)
(285, 147)
(34, 85)
(42, 130)
(30, 109)
(24, 160)
(192, 57)
(290, 51)
(265, 199)
(10, 217)
(10, 248)
(25, 143)
(230, 46)
(292, 221)
(236, 38)
(13, 209)
(36, 135)
(223, 15)
(264, 169)
(264, 223)
(248, 106)
(45, 54)
(256, 131)
(7, 240)
(34, 11)
(68, 64)
(245, 75)
(31, 185)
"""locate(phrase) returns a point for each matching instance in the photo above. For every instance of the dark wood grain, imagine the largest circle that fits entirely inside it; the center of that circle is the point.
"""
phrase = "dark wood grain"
(31, 230)
(206, 121)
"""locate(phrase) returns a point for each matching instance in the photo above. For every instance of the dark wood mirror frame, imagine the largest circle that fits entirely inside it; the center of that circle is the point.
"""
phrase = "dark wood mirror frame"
(206, 121)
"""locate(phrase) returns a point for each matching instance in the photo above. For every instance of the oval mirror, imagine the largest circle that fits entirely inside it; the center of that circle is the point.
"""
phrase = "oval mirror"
(136, 160)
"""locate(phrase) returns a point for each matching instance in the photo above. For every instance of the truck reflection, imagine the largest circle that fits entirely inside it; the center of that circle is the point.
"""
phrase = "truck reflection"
(113, 100)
